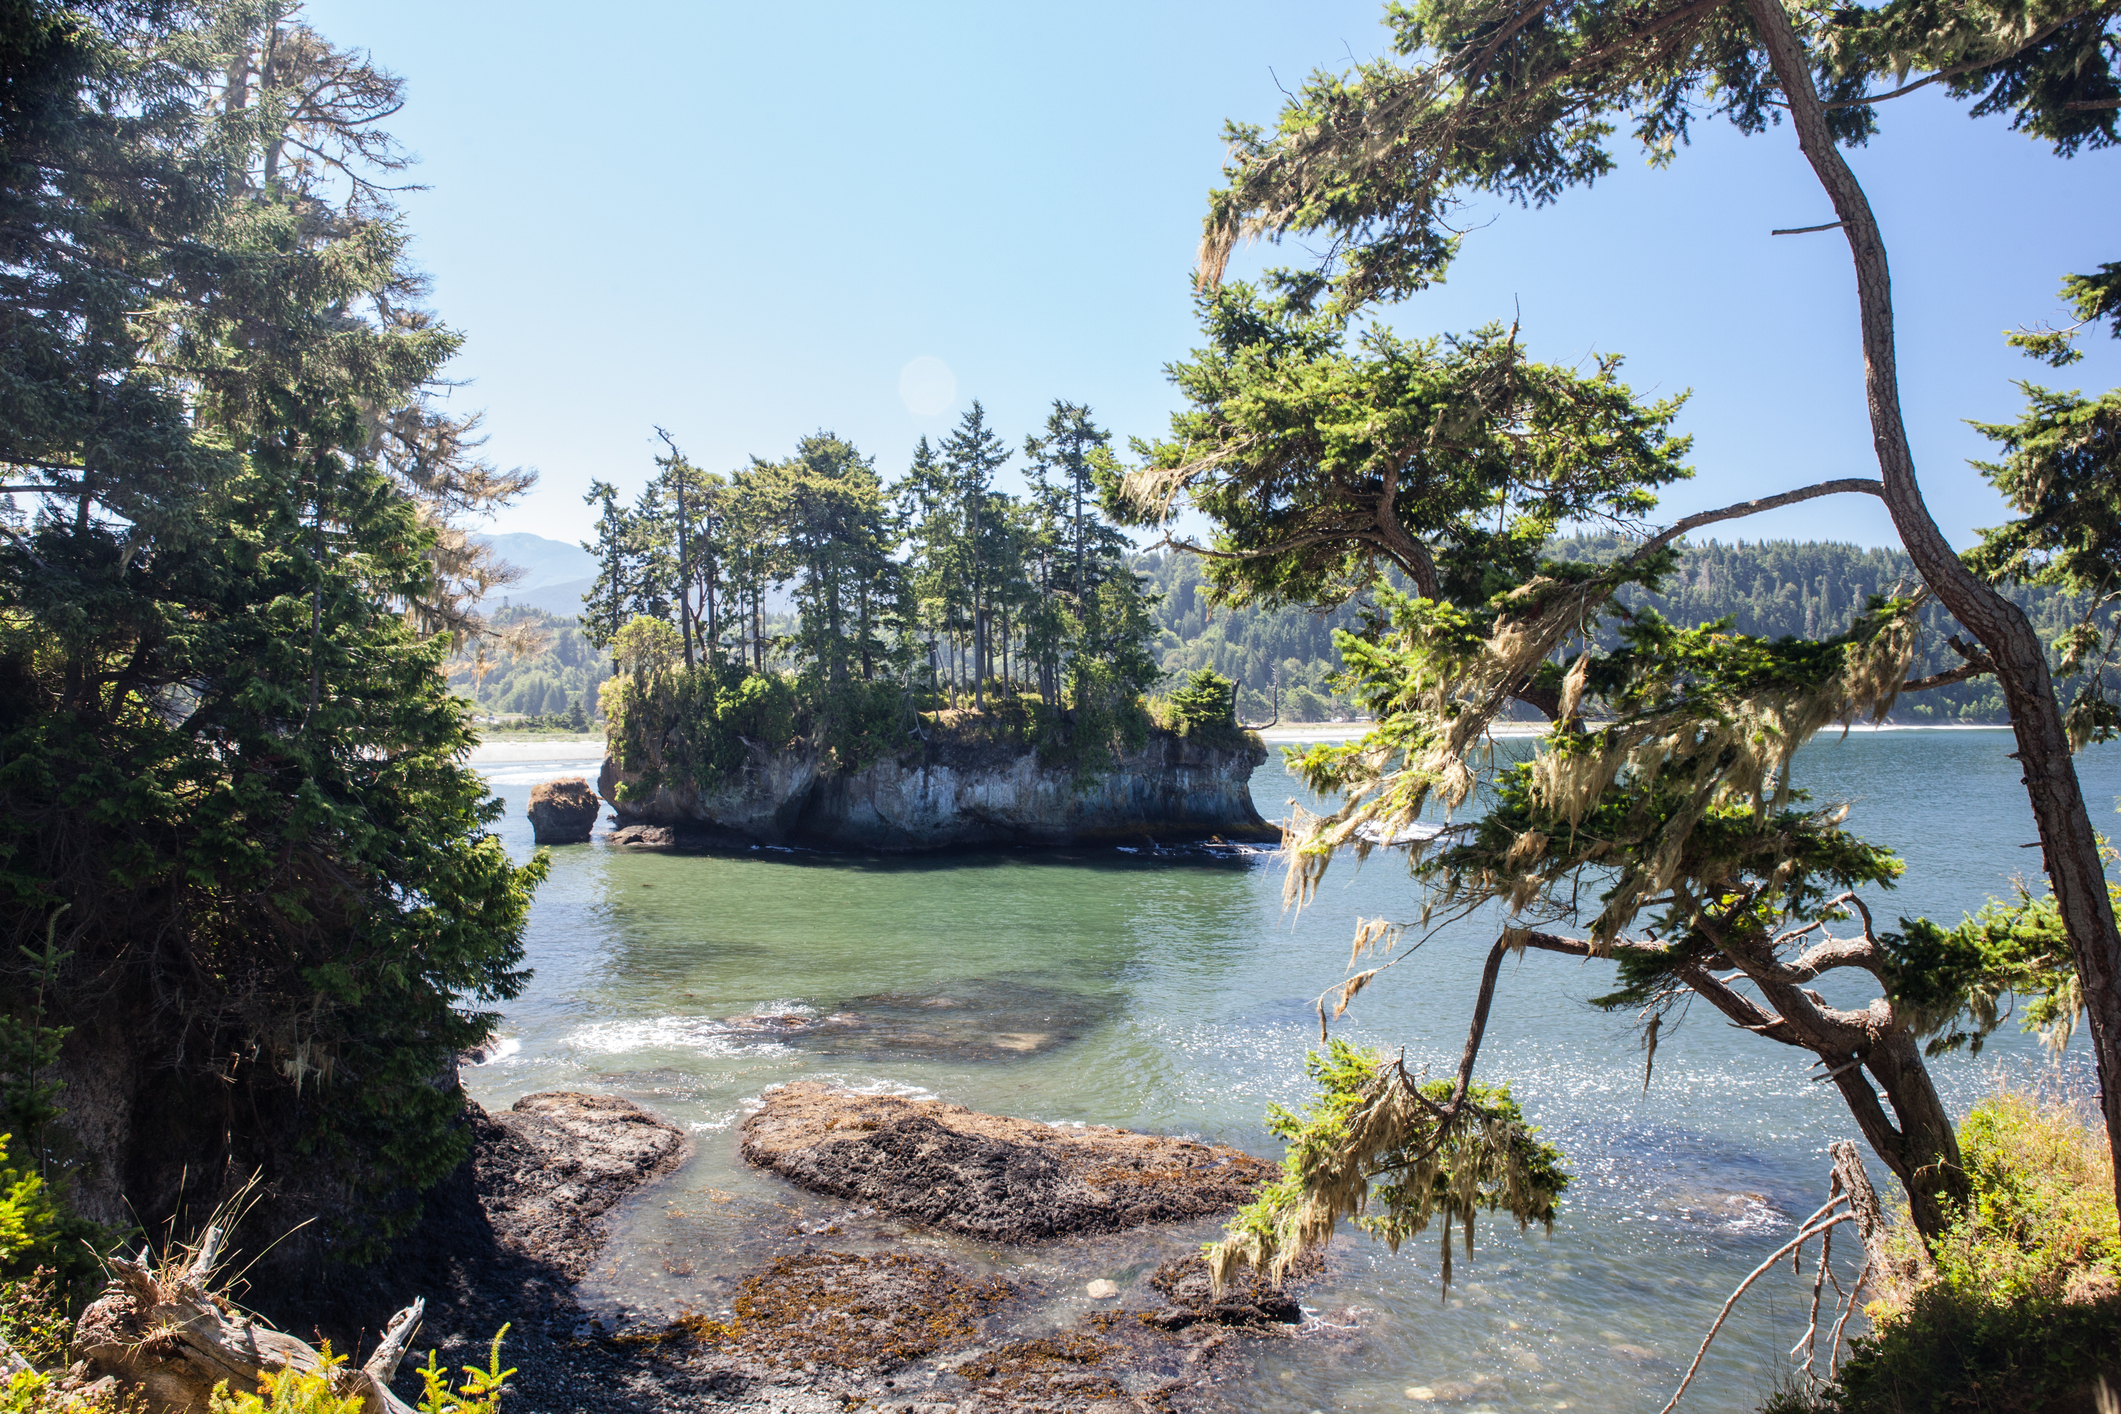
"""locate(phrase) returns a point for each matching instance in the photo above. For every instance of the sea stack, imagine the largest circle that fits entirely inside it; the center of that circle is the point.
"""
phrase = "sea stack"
(564, 812)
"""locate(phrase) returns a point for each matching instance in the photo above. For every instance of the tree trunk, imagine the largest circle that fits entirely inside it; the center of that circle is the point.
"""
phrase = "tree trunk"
(2069, 846)
(169, 1339)
(1923, 1149)
(684, 575)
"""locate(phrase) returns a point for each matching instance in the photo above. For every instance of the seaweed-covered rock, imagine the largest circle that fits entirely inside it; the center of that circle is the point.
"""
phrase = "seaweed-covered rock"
(870, 1312)
(1002, 1179)
(564, 811)
(1250, 1300)
(553, 1165)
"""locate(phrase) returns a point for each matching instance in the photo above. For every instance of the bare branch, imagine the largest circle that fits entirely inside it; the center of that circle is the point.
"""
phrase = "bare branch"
(1825, 957)
(1804, 1235)
(1851, 485)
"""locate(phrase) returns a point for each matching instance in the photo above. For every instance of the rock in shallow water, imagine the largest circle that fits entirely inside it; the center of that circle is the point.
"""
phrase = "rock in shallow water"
(564, 811)
(1002, 1179)
(1249, 1300)
(643, 836)
(555, 1163)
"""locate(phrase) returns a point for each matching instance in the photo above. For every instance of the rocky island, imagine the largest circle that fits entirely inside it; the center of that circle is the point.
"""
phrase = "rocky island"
(955, 790)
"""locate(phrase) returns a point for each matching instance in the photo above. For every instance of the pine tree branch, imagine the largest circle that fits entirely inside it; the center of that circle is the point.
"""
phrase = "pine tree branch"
(1970, 66)
(1857, 485)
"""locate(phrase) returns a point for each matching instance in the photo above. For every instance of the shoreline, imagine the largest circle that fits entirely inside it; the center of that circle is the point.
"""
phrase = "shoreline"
(529, 750)
(1348, 731)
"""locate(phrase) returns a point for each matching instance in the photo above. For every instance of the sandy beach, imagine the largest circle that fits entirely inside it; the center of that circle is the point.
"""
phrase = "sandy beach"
(552, 748)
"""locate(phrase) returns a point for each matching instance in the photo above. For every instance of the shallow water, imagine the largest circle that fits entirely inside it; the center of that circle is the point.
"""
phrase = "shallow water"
(1170, 992)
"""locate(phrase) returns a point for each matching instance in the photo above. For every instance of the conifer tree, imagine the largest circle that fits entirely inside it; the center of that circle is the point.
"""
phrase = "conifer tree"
(1517, 98)
(229, 769)
(971, 454)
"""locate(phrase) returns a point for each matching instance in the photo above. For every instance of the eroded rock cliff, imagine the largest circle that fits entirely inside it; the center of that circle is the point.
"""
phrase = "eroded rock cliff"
(943, 794)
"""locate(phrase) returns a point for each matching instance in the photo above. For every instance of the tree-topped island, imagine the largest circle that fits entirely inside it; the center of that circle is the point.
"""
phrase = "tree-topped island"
(964, 667)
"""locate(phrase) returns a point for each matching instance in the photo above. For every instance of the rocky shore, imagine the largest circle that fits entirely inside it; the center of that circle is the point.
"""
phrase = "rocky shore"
(820, 1329)
(989, 1176)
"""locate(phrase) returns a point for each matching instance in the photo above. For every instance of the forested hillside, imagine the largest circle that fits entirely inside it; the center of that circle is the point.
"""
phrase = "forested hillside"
(558, 675)
(1774, 588)
(1770, 588)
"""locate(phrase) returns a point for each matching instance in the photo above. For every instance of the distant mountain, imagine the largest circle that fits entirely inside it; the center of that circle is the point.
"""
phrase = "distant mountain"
(555, 574)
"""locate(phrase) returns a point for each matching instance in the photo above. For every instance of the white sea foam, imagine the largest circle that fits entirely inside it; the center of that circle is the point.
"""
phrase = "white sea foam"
(495, 1052)
(702, 1035)
(892, 1087)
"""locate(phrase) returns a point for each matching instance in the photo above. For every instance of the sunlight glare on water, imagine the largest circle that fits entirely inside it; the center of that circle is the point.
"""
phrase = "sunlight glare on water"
(1172, 993)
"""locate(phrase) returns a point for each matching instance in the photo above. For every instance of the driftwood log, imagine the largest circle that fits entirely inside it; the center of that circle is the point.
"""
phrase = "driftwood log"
(170, 1338)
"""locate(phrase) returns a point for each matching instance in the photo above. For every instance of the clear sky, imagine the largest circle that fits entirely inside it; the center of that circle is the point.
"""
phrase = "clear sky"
(748, 222)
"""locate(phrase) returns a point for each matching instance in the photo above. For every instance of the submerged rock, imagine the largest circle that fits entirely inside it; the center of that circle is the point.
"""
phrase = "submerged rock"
(869, 1312)
(949, 794)
(1002, 1179)
(564, 811)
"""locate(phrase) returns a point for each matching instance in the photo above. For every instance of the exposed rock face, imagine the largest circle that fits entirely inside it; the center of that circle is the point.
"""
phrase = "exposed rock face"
(564, 812)
(1005, 1180)
(945, 796)
(559, 1162)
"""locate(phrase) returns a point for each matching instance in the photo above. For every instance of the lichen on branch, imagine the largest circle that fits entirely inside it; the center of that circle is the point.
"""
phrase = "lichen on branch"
(1393, 1154)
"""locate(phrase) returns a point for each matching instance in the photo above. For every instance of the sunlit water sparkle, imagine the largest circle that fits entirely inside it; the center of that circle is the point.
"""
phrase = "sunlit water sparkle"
(1170, 992)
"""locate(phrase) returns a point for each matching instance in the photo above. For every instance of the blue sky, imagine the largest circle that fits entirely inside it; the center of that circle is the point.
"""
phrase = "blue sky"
(744, 222)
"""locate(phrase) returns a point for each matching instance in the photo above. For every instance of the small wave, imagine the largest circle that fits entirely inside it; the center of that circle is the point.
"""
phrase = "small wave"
(1733, 1213)
(494, 1052)
(711, 1126)
(703, 1035)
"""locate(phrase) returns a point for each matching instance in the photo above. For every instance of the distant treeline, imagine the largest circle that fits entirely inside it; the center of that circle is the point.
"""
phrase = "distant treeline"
(1765, 588)
(560, 675)
(1773, 588)
(1768, 588)
(1246, 645)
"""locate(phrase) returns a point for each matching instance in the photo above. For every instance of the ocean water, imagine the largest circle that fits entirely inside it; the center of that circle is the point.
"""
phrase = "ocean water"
(1172, 992)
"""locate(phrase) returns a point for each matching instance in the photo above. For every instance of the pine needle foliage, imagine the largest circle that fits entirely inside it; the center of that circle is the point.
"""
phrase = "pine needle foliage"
(229, 765)
(1956, 986)
(1370, 1149)
(1203, 708)
(1655, 820)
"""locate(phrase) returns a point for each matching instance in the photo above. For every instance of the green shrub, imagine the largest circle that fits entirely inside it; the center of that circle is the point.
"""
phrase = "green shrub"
(291, 1391)
(678, 726)
(1205, 706)
(2018, 1305)
(34, 1320)
(36, 1231)
(479, 1394)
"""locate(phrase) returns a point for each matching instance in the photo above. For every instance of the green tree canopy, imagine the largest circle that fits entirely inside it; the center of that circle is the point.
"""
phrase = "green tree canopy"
(229, 766)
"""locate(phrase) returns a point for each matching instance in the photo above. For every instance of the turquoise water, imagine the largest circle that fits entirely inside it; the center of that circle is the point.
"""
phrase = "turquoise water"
(1173, 993)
